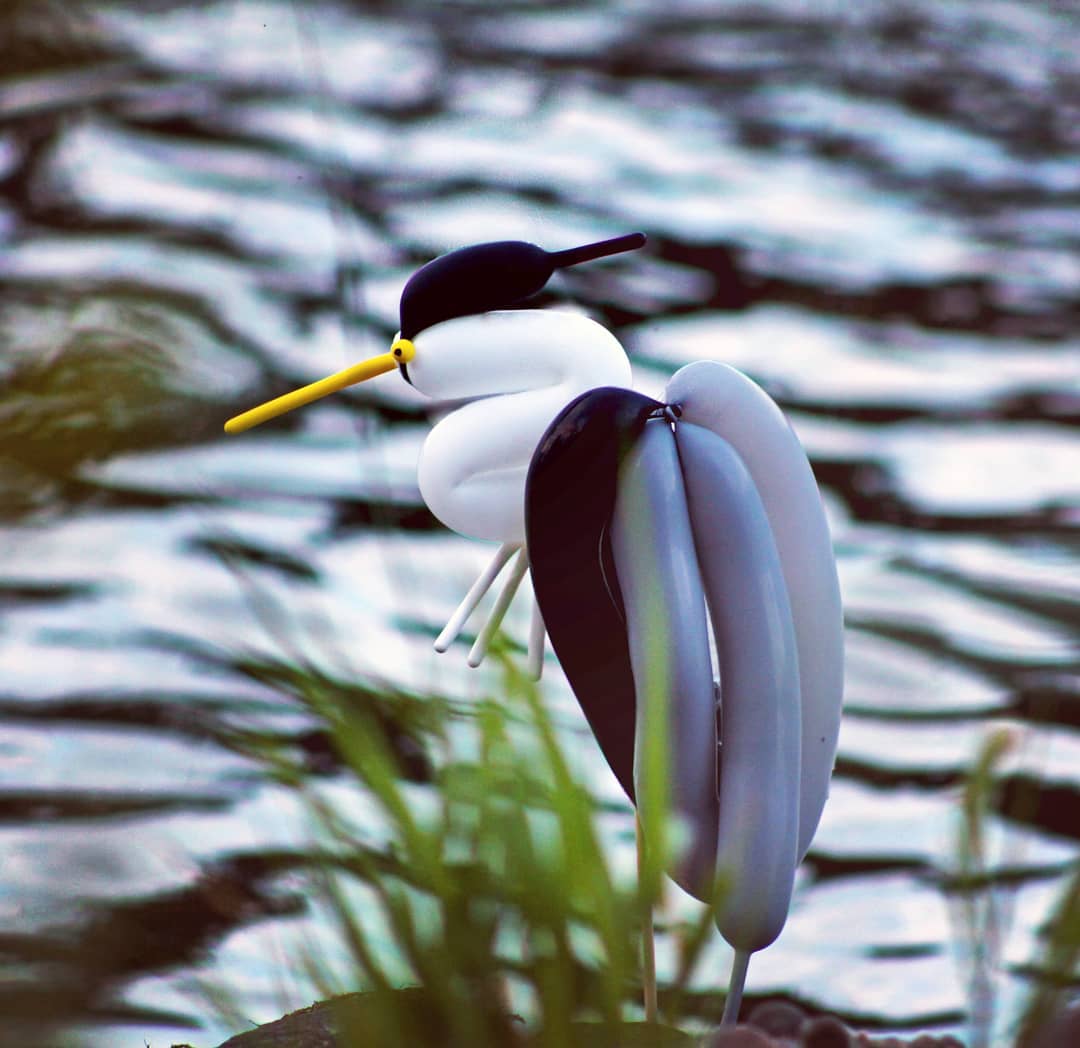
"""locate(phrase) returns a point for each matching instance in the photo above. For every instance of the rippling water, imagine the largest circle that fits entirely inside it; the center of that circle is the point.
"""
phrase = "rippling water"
(875, 214)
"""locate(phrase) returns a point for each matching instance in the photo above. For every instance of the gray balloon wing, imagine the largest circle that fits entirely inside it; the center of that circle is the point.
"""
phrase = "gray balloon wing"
(631, 531)
(667, 631)
(760, 775)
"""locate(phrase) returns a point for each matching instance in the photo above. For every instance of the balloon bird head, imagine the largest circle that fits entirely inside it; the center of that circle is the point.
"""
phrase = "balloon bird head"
(469, 282)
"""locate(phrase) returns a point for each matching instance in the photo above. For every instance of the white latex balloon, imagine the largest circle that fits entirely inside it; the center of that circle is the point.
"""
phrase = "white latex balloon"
(473, 464)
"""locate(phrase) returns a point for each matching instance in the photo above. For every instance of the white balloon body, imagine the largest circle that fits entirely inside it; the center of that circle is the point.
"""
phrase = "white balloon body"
(527, 364)
(723, 400)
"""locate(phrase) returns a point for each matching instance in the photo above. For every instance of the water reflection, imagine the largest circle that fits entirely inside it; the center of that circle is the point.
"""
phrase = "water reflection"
(871, 212)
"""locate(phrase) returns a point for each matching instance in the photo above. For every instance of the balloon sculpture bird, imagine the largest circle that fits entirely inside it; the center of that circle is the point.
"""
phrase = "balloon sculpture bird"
(648, 525)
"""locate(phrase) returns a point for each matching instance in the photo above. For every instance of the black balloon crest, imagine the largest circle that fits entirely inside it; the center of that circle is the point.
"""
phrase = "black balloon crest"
(490, 276)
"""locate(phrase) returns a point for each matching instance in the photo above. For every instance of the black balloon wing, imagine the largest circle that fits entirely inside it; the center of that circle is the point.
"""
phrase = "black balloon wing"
(569, 499)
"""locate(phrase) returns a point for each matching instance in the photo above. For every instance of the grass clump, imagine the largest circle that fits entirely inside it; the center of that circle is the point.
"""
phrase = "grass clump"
(505, 921)
(985, 917)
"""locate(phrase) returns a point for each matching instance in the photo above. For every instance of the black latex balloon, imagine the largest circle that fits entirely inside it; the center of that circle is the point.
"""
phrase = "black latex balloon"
(484, 277)
(569, 499)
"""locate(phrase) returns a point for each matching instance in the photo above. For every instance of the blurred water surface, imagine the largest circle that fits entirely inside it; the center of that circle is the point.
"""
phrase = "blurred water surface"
(873, 209)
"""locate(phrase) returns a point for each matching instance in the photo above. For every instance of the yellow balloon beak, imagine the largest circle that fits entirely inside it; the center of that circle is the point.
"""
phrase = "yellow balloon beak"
(401, 352)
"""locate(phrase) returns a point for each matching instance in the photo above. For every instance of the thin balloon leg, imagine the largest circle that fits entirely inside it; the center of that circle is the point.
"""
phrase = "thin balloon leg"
(735, 988)
(648, 944)
(536, 642)
(474, 596)
(483, 639)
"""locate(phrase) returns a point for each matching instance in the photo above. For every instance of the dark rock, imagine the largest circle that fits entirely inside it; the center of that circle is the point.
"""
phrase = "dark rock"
(740, 1036)
(777, 1018)
(376, 1021)
(825, 1032)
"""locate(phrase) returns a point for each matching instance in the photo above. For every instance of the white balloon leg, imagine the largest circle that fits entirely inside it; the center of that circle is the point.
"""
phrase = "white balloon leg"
(474, 596)
(536, 642)
(483, 639)
(735, 988)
